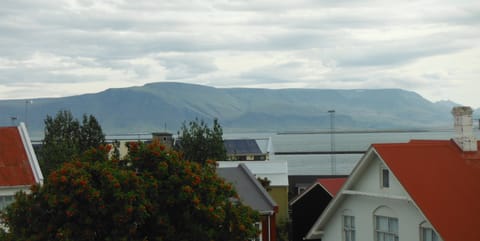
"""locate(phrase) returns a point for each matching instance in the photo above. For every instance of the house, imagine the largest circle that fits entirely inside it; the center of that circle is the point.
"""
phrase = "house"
(19, 168)
(309, 205)
(299, 183)
(277, 173)
(244, 150)
(421, 190)
(164, 138)
(252, 193)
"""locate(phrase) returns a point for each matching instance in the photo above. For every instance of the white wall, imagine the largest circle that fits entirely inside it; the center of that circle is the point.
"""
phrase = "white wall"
(370, 181)
(363, 208)
(368, 197)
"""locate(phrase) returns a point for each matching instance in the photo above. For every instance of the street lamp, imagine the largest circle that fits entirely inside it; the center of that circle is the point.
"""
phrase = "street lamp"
(332, 141)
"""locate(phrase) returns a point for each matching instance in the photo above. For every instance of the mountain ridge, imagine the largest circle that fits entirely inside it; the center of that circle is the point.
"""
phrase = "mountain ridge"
(164, 106)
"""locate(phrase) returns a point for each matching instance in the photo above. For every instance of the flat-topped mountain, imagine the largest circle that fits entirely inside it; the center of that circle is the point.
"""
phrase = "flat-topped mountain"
(165, 106)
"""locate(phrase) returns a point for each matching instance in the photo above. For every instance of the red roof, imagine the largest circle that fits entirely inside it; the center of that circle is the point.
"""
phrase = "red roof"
(332, 185)
(15, 169)
(443, 181)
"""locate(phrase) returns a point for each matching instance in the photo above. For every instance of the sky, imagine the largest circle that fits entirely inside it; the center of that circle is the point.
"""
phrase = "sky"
(54, 48)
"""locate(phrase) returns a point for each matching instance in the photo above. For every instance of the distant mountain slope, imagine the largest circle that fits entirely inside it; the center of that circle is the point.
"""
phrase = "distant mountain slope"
(160, 106)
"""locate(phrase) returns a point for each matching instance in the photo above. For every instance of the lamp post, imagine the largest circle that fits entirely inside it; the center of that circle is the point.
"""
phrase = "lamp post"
(332, 142)
(27, 102)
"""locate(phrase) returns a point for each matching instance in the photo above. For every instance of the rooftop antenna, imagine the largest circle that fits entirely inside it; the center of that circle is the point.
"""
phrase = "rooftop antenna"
(332, 141)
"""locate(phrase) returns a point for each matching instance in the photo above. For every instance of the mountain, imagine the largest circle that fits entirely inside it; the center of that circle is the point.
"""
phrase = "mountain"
(165, 106)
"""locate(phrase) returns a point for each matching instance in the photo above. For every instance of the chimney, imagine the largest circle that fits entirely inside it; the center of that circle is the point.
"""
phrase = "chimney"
(465, 138)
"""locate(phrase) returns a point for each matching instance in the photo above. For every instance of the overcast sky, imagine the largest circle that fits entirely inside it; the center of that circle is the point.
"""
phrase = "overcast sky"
(52, 48)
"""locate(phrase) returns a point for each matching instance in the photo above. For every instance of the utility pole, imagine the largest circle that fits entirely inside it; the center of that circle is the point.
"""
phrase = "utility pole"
(27, 102)
(332, 142)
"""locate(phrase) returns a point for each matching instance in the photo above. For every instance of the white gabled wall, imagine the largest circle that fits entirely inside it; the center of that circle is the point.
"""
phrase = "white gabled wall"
(363, 208)
(364, 196)
(370, 181)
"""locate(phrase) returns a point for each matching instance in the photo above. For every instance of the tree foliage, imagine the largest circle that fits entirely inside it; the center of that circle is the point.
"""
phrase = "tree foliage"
(151, 195)
(91, 134)
(200, 143)
(65, 138)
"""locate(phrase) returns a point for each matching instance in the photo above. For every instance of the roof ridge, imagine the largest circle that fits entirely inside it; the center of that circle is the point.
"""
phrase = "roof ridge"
(259, 186)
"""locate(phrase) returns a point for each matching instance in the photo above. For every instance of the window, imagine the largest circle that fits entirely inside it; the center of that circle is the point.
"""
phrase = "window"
(348, 228)
(301, 189)
(427, 233)
(386, 228)
(385, 178)
(258, 225)
(5, 201)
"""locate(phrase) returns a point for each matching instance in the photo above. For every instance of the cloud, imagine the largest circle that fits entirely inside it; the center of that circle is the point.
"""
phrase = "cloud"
(84, 44)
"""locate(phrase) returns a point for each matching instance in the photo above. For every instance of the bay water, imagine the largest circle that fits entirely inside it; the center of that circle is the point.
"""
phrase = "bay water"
(326, 164)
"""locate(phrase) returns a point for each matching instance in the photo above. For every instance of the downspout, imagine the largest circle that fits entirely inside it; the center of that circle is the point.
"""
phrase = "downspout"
(269, 231)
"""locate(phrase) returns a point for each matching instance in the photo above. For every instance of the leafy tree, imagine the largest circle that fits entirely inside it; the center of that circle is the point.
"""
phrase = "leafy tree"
(265, 182)
(199, 143)
(151, 195)
(82, 200)
(65, 138)
(61, 140)
(91, 134)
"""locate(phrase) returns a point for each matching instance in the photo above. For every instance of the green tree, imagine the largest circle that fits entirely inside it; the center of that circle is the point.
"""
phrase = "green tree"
(65, 138)
(61, 140)
(150, 195)
(200, 143)
(91, 134)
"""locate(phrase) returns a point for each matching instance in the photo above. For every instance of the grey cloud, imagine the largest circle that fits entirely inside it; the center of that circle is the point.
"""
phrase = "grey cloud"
(397, 52)
(276, 74)
(186, 66)
(23, 76)
(111, 36)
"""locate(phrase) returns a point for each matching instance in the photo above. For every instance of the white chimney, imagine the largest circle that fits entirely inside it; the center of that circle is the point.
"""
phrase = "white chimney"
(465, 138)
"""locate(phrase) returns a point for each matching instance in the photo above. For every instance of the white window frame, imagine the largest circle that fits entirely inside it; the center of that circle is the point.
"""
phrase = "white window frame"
(260, 234)
(427, 233)
(6, 200)
(385, 180)
(348, 228)
(391, 231)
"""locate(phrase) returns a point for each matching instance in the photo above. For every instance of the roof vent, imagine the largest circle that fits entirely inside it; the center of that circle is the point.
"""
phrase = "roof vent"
(464, 128)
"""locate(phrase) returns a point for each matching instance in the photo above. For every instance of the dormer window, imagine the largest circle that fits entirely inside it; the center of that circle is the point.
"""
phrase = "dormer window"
(385, 177)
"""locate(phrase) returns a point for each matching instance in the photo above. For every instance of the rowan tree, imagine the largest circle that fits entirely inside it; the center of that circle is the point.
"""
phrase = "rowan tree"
(153, 194)
(193, 202)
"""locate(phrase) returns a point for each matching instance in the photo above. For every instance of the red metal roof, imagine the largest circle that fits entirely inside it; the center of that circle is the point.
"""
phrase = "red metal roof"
(443, 181)
(15, 169)
(332, 185)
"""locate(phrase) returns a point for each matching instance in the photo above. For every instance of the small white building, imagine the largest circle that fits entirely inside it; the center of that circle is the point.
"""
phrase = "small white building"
(423, 190)
(19, 168)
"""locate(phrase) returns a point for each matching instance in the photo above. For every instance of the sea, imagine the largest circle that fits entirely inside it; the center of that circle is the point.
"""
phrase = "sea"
(331, 153)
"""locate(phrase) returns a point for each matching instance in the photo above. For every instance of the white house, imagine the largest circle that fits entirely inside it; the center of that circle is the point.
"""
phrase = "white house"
(423, 190)
(19, 168)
